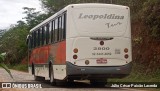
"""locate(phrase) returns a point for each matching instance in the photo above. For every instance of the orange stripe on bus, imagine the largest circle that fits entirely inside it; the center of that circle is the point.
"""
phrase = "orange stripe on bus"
(56, 51)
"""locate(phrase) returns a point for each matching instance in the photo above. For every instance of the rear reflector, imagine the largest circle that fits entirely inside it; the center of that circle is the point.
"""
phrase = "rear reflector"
(125, 50)
(126, 56)
(75, 50)
(75, 56)
(87, 62)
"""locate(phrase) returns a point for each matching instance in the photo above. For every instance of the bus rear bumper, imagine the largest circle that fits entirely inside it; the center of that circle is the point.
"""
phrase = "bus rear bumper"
(79, 72)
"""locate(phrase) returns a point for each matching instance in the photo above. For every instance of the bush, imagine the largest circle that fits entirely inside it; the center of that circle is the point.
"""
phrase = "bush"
(2, 57)
(150, 17)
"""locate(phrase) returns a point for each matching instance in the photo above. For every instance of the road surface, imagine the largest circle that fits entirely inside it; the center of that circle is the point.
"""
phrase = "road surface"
(26, 77)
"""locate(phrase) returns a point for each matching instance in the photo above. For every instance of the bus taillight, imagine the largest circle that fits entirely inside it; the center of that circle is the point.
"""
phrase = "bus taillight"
(75, 50)
(126, 56)
(75, 56)
(125, 50)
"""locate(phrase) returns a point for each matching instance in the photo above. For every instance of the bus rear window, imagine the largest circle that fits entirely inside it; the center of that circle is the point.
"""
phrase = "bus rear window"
(100, 20)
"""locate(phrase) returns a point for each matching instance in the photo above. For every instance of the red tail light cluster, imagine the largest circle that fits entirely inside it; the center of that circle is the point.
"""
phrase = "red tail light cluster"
(126, 56)
(75, 51)
(126, 51)
(75, 56)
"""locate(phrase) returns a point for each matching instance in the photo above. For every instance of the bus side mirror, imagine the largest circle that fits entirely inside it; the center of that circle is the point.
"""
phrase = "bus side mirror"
(27, 39)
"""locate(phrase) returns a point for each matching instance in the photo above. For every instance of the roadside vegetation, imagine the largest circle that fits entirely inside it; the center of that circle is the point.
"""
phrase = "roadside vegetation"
(139, 75)
(145, 36)
(2, 57)
(20, 67)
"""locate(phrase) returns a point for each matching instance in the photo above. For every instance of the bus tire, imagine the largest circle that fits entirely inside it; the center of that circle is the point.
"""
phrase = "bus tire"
(33, 70)
(39, 78)
(52, 80)
(70, 81)
(98, 82)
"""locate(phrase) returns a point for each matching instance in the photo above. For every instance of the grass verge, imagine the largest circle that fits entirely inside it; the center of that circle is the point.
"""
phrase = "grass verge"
(19, 67)
(139, 74)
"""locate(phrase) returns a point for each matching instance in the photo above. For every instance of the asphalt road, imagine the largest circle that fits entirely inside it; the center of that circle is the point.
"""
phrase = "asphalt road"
(76, 86)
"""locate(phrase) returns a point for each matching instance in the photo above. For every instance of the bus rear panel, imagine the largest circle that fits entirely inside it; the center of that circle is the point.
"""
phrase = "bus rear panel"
(98, 41)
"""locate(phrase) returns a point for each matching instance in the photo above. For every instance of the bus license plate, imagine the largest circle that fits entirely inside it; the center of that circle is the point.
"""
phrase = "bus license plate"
(101, 61)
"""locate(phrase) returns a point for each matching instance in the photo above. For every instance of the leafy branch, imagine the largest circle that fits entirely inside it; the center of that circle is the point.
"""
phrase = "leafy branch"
(2, 58)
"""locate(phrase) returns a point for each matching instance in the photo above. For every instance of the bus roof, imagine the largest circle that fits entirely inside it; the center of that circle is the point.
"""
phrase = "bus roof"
(77, 5)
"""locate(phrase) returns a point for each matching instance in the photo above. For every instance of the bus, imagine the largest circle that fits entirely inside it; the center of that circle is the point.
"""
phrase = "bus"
(89, 41)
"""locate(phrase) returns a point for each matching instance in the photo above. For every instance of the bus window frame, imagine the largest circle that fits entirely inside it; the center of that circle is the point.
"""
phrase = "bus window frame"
(60, 27)
(31, 41)
(53, 28)
(56, 30)
(64, 25)
(34, 32)
(47, 33)
(42, 36)
(38, 37)
(50, 32)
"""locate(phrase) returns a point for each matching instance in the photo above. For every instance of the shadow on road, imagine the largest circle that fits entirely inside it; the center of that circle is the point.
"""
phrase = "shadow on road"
(46, 84)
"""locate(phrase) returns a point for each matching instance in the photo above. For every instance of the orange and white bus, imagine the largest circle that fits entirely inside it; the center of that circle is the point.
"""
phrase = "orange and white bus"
(82, 41)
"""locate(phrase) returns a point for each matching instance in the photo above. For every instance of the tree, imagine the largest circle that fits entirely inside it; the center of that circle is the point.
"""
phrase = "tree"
(33, 18)
(2, 31)
(150, 17)
(52, 6)
(30, 16)
(13, 43)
